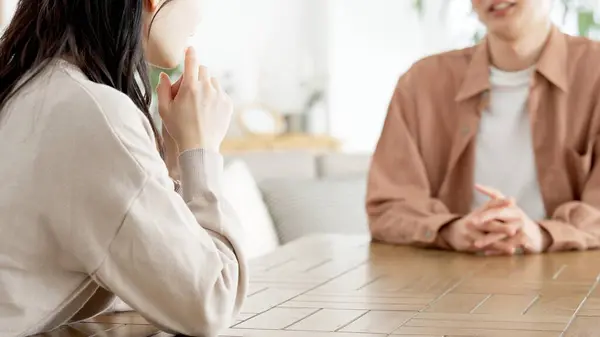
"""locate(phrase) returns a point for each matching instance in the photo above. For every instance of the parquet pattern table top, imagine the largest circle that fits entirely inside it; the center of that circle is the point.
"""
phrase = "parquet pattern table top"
(339, 286)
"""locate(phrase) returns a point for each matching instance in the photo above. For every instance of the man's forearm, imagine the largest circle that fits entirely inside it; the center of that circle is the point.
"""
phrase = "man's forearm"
(399, 227)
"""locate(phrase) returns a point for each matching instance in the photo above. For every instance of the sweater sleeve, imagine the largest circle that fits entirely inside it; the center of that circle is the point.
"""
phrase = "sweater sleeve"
(177, 260)
(575, 225)
(179, 265)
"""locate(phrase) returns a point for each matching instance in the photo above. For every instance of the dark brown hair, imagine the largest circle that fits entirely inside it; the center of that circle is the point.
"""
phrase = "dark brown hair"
(103, 38)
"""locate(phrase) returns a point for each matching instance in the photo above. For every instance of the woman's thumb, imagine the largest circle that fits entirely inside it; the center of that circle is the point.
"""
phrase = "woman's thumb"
(163, 92)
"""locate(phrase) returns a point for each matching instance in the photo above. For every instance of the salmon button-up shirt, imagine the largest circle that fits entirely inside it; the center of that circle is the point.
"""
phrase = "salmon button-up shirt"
(422, 172)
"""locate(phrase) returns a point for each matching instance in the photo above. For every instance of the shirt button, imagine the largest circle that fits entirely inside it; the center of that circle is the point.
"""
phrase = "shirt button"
(428, 234)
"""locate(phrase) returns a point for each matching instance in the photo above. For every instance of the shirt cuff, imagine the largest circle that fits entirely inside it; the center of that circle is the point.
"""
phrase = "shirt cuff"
(201, 172)
(428, 233)
(562, 235)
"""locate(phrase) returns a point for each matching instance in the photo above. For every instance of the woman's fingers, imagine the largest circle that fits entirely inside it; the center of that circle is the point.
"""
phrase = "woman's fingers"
(203, 74)
(190, 72)
(194, 73)
(163, 93)
(216, 85)
(175, 87)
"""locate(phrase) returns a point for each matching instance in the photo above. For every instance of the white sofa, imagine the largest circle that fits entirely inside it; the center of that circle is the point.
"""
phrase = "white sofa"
(282, 196)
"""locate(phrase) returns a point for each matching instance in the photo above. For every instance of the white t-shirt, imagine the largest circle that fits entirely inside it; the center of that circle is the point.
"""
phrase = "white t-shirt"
(504, 157)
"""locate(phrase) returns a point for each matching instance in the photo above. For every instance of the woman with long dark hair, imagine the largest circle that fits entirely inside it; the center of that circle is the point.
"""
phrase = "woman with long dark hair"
(88, 209)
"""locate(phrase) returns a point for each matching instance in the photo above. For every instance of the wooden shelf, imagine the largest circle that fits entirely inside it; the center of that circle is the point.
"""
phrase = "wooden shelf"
(286, 142)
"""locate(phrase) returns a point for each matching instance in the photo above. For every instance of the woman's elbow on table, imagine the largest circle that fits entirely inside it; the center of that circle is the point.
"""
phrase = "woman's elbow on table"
(204, 308)
(211, 312)
(196, 288)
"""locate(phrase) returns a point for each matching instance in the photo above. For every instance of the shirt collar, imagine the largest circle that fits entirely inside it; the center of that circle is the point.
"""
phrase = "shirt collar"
(552, 65)
(553, 61)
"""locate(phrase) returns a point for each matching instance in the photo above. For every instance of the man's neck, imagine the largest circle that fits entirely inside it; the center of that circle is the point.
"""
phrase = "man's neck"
(518, 54)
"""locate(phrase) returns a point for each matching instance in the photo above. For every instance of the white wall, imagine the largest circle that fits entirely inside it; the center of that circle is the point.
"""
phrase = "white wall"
(7, 7)
(358, 48)
(371, 43)
(270, 47)
(265, 49)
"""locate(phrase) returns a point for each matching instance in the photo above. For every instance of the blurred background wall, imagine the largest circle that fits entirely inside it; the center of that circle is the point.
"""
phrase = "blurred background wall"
(328, 67)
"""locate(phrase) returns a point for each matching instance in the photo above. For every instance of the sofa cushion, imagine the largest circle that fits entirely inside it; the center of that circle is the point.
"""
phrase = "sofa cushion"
(301, 207)
(243, 194)
(274, 165)
(341, 165)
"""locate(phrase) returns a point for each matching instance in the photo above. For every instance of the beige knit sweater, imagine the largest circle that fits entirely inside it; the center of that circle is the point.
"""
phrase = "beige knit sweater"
(87, 210)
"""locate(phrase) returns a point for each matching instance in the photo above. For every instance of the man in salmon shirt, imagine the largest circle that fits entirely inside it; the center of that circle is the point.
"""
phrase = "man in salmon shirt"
(492, 149)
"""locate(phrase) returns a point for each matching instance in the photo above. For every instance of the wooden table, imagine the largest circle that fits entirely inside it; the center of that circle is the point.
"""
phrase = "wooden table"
(345, 287)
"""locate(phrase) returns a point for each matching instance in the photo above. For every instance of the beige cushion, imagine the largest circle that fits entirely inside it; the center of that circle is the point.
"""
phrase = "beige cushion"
(240, 189)
(304, 207)
(274, 165)
(341, 165)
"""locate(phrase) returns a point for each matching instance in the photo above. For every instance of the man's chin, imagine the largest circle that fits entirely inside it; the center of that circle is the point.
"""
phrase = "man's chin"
(504, 32)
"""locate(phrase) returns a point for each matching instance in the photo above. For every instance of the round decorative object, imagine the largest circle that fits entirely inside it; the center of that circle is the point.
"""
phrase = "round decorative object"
(260, 120)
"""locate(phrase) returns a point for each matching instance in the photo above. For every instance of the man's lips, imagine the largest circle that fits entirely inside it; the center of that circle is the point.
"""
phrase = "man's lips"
(498, 6)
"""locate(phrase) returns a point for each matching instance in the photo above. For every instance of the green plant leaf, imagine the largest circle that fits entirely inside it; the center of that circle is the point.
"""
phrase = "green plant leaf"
(419, 7)
(586, 21)
(154, 75)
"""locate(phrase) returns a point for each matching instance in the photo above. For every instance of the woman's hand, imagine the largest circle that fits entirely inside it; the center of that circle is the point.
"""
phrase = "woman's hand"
(196, 112)
(171, 155)
(170, 146)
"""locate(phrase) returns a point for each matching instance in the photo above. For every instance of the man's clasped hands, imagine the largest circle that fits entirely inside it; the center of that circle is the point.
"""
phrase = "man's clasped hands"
(499, 227)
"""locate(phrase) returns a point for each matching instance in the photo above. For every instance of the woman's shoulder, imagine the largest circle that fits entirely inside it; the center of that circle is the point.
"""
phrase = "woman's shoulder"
(87, 97)
(72, 113)
(67, 95)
